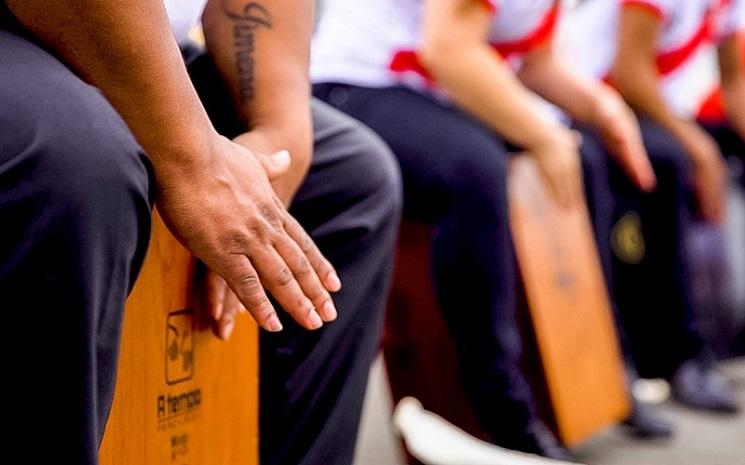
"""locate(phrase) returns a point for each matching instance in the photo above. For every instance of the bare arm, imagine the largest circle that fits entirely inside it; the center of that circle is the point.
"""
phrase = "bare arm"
(455, 51)
(635, 76)
(213, 193)
(262, 51)
(593, 103)
(732, 71)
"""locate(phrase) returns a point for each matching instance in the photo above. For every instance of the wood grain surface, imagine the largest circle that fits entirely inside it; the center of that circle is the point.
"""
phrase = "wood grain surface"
(183, 397)
(569, 308)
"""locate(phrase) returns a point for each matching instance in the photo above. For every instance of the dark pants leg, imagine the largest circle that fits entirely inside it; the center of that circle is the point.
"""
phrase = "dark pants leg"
(312, 384)
(599, 196)
(74, 226)
(652, 275)
(454, 172)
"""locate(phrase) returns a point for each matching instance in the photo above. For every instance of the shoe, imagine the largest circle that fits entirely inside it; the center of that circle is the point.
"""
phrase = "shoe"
(645, 422)
(697, 384)
(538, 439)
(547, 445)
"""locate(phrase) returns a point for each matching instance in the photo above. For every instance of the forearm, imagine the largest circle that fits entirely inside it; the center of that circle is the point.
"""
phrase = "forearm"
(734, 105)
(579, 97)
(640, 86)
(732, 72)
(483, 85)
(261, 48)
(127, 50)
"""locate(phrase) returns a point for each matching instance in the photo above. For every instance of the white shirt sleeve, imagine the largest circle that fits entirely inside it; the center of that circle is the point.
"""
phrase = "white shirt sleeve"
(732, 19)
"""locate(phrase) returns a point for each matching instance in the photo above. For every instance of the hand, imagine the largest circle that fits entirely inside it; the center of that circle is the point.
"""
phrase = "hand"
(558, 161)
(620, 132)
(224, 210)
(220, 303)
(269, 140)
(709, 172)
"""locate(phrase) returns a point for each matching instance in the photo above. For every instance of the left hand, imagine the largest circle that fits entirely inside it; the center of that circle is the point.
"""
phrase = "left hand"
(620, 132)
(287, 184)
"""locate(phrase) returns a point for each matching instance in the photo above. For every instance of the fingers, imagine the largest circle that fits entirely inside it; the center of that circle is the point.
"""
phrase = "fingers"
(283, 260)
(215, 288)
(323, 268)
(308, 278)
(243, 279)
(710, 190)
(279, 279)
(636, 163)
(275, 164)
(223, 304)
(226, 324)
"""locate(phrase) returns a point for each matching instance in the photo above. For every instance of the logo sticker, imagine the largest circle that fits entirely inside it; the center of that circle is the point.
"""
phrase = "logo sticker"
(179, 347)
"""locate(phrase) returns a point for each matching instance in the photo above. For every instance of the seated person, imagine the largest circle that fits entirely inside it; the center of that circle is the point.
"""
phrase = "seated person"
(723, 113)
(447, 84)
(98, 117)
(657, 60)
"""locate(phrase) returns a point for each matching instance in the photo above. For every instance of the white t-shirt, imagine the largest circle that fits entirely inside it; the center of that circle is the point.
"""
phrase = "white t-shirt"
(686, 58)
(184, 15)
(374, 43)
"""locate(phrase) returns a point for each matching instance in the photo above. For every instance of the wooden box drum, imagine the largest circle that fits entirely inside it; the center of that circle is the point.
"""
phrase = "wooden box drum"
(183, 397)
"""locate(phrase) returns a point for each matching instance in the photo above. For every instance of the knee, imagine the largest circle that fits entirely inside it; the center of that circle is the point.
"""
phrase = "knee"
(480, 176)
(376, 183)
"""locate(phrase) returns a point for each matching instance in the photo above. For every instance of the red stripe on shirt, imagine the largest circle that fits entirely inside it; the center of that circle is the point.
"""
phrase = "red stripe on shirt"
(540, 35)
(670, 61)
(407, 60)
(712, 110)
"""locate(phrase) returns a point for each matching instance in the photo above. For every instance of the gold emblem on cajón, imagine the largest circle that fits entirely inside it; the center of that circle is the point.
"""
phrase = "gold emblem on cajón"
(628, 240)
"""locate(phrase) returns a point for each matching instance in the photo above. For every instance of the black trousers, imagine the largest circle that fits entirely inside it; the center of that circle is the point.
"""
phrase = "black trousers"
(455, 178)
(75, 197)
(653, 284)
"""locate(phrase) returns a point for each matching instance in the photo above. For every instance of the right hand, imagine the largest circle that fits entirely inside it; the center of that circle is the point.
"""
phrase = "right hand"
(709, 173)
(223, 208)
(558, 160)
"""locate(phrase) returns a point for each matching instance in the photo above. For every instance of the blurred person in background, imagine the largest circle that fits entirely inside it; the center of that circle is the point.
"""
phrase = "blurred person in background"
(449, 86)
(660, 55)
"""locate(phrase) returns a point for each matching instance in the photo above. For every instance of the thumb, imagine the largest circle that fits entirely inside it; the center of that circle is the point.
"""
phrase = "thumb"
(275, 164)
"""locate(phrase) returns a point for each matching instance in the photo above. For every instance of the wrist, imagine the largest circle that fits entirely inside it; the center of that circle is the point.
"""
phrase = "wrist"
(550, 138)
(194, 154)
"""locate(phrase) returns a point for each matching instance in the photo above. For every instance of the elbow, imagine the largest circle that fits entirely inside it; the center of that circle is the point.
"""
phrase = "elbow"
(436, 55)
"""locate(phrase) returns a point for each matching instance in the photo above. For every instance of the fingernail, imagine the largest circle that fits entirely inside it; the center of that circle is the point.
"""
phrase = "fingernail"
(281, 158)
(217, 314)
(273, 324)
(227, 329)
(333, 282)
(315, 320)
(329, 311)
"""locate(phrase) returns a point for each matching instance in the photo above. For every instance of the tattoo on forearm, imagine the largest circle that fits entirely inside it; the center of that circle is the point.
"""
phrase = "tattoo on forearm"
(250, 17)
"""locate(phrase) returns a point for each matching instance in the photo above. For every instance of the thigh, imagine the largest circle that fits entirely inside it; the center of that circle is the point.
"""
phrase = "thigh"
(351, 167)
(75, 217)
(669, 158)
(442, 152)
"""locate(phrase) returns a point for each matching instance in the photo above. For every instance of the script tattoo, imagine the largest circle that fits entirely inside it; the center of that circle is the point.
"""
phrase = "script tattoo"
(249, 17)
